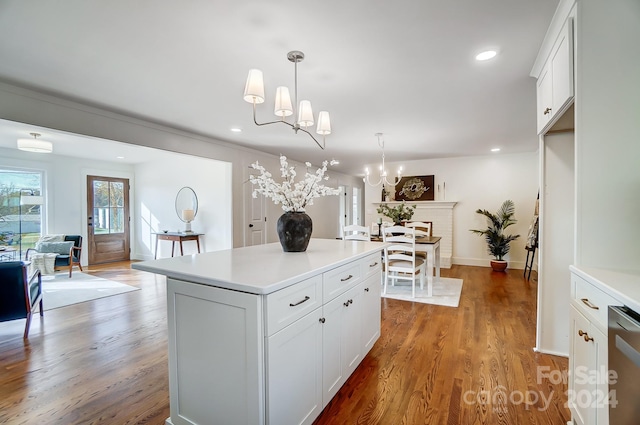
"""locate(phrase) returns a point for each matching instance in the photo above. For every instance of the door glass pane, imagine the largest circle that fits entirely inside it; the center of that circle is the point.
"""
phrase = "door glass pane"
(100, 221)
(100, 194)
(117, 194)
(117, 220)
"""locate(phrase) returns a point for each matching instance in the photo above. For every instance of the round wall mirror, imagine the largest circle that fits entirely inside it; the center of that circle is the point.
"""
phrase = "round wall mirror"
(187, 206)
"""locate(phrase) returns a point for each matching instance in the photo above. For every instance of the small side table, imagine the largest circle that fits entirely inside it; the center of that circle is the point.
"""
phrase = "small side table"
(176, 237)
(8, 254)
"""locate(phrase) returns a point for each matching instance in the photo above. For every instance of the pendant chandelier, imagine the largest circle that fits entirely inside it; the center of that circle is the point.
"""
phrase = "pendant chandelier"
(383, 171)
(303, 116)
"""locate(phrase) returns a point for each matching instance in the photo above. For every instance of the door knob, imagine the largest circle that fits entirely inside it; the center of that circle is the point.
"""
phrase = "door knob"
(251, 225)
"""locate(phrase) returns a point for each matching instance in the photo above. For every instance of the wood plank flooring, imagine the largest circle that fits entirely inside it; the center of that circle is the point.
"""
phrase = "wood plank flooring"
(105, 361)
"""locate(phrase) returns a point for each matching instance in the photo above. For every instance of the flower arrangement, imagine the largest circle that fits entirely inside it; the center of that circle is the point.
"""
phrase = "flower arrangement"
(294, 196)
(398, 213)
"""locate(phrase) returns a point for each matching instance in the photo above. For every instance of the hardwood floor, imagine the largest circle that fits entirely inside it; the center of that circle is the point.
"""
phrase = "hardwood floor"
(105, 361)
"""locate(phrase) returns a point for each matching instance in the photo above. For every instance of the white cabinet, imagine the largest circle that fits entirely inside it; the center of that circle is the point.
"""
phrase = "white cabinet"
(257, 335)
(341, 348)
(555, 87)
(294, 375)
(588, 388)
(370, 312)
(310, 358)
(588, 396)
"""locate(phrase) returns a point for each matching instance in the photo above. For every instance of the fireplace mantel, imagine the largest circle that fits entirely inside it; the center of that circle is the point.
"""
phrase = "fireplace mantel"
(422, 204)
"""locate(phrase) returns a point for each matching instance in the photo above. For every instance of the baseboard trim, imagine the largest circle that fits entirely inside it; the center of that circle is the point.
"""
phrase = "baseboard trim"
(550, 352)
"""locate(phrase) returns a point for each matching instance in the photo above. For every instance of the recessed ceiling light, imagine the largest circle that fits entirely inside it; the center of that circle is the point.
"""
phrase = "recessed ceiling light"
(120, 157)
(483, 56)
(236, 130)
(335, 162)
(495, 150)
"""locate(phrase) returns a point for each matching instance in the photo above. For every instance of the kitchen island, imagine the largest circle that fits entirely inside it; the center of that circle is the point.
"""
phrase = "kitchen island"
(260, 336)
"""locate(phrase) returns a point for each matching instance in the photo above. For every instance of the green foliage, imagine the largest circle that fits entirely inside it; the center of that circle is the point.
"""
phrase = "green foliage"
(498, 244)
(398, 213)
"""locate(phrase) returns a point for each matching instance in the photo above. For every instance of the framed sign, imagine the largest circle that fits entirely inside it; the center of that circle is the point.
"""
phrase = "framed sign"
(415, 188)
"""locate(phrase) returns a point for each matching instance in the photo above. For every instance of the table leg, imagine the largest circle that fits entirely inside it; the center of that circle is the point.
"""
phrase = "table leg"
(155, 254)
(173, 245)
(430, 271)
(437, 255)
(181, 251)
(198, 243)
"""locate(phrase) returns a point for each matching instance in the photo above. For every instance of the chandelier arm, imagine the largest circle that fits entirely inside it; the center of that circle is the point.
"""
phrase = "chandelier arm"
(314, 139)
(368, 180)
(255, 121)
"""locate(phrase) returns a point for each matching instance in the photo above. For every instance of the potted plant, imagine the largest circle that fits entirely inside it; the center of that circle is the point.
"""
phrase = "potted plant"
(498, 243)
(398, 213)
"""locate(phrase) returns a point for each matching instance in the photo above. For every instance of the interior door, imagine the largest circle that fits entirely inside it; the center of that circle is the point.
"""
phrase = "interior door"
(107, 219)
(255, 216)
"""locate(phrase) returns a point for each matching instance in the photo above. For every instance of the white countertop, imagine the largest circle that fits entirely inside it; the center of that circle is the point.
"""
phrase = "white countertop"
(622, 285)
(260, 269)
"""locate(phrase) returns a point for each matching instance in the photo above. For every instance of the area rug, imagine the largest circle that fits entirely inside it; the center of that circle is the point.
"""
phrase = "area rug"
(446, 292)
(59, 290)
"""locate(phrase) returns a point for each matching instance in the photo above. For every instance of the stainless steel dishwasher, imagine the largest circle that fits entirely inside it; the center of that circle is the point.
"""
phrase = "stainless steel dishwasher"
(624, 359)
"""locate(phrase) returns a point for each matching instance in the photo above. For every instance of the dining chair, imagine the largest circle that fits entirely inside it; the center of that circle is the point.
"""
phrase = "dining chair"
(423, 226)
(422, 229)
(400, 259)
(355, 232)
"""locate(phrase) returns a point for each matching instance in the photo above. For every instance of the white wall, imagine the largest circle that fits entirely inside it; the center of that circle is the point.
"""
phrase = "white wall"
(608, 134)
(157, 184)
(556, 252)
(476, 182)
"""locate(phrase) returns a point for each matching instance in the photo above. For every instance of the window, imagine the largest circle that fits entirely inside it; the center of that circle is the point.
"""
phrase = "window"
(20, 215)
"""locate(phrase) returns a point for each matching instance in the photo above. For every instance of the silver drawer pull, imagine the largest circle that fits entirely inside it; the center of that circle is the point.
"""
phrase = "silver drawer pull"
(366, 289)
(588, 304)
(346, 278)
(374, 264)
(299, 302)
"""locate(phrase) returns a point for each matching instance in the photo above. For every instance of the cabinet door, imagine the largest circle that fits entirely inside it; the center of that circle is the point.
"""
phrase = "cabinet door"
(294, 372)
(582, 359)
(562, 69)
(351, 338)
(544, 98)
(341, 340)
(370, 313)
(601, 395)
(208, 327)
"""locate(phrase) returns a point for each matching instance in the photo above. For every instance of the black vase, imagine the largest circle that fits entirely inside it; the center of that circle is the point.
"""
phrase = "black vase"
(294, 230)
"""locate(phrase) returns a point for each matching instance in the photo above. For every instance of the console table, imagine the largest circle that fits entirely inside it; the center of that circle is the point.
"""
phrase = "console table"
(176, 237)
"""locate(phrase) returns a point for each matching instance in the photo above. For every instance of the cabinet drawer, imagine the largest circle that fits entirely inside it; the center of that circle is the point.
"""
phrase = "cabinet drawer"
(371, 265)
(593, 301)
(339, 280)
(290, 304)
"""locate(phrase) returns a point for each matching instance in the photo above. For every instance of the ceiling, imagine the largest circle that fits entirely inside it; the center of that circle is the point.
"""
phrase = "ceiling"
(404, 68)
